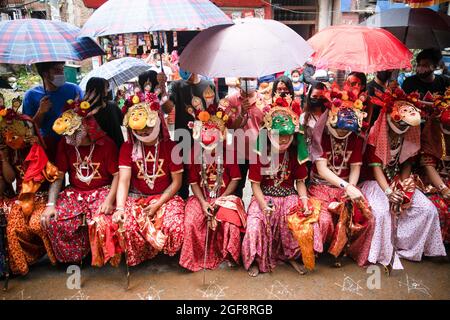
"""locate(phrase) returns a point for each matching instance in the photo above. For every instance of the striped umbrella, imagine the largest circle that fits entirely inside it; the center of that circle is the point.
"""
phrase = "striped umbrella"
(27, 41)
(117, 72)
(133, 16)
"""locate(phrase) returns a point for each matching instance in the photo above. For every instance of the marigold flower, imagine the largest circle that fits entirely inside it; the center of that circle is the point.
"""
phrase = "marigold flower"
(358, 104)
(85, 105)
(203, 116)
(136, 100)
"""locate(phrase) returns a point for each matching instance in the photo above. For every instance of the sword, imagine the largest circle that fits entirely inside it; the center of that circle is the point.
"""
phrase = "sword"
(395, 211)
(124, 245)
(208, 219)
(83, 226)
(271, 205)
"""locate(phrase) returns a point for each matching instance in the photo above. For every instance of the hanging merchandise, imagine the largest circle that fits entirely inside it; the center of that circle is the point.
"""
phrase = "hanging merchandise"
(166, 49)
(175, 39)
(155, 39)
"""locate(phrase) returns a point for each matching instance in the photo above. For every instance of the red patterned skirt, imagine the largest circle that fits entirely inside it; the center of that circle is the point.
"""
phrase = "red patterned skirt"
(224, 243)
(144, 238)
(69, 234)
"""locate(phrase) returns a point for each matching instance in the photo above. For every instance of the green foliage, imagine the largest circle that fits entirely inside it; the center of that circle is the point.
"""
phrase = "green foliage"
(26, 80)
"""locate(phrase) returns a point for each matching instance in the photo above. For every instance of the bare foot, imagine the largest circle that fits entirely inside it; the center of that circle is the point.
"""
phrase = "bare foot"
(253, 271)
(299, 268)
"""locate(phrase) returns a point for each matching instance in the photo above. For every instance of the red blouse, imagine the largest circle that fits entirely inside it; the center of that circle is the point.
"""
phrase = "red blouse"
(258, 172)
(231, 172)
(341, 153)
(103, 163)
(163, 169)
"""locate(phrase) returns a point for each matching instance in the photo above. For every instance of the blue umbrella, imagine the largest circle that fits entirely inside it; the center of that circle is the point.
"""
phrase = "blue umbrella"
(117, 71)
(27, 41)
(118, 16)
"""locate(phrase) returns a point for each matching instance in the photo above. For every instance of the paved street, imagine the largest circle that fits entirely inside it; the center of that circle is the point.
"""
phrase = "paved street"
(163, 278)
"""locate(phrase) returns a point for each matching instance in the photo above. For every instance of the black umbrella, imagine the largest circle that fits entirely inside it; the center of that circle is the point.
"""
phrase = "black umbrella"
(416, 28)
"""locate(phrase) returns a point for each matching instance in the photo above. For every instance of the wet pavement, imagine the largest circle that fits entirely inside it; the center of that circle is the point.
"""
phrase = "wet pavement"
(163, 278)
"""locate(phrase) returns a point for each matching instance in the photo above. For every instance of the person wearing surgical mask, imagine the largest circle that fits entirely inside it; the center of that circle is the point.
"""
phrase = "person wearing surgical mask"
(297, 84)
(316, 104)
(425, 80)
(44, 103)
(380, 83)
(248, 103)
(283, 86)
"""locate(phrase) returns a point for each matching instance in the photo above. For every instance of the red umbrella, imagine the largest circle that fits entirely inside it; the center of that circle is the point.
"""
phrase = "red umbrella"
(421, 3)
(358, 48)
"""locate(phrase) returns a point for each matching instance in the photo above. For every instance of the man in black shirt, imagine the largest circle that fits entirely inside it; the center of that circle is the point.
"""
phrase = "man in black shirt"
(425, 80)
(180, 97)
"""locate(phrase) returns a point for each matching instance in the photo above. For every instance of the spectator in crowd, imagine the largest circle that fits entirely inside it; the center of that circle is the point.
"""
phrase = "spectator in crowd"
(425, 80)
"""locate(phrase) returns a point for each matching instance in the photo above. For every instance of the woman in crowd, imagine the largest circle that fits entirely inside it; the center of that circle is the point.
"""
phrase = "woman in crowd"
(283, 87)
(79, 219)
(23, 161)
(406, 222)
(267, 240)
(336, 153)
(435, 160)
(104, 109)
(316, 104)
(356, 80)
(213, 177)
(148, 211)
(297, 85)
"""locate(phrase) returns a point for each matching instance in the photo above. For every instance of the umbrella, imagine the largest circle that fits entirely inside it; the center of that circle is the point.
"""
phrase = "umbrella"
(117, 71)
(358, 48)
(249, 48)
(27, 41)
(118, 16)
(416, 28)
(421, 3)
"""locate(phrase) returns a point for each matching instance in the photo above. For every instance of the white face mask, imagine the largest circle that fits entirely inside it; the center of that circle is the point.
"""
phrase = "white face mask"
(58, 80)
(295, 79)
(249, 86)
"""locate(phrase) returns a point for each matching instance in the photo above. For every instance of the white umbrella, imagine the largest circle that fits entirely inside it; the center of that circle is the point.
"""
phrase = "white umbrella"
(117, 72)
(249, 48)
